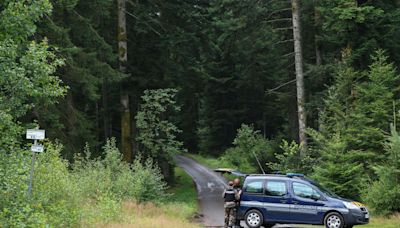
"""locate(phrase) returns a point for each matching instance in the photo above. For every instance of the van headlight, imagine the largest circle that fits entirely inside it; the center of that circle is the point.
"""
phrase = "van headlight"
(350, 205)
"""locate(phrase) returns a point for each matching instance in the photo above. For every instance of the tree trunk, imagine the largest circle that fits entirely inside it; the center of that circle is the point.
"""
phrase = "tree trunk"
(299, 75)
(124, 99)
(106, 119)
(317, 26)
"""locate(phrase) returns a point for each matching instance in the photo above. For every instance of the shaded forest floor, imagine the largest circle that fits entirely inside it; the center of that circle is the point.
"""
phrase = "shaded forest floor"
(179, 211)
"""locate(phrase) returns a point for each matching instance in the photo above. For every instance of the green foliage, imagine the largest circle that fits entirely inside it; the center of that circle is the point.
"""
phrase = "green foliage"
(54, 191)
(247, 144)
(243, 59)
(82, 31)
(353, 125)
(54, 198)
(148, 184)
(384, 193)
(113, 177)
(343, 20)
(27, 68)
(157, 134)
(290, 161)
(338, 169)
(89, 193)
(226, 58)
(9, 132)
(18, 18)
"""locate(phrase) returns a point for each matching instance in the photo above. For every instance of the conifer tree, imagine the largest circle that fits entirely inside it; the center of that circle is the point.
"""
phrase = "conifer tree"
(357, 111)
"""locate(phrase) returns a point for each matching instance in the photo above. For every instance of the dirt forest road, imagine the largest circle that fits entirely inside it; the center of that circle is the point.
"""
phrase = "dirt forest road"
(210, 186)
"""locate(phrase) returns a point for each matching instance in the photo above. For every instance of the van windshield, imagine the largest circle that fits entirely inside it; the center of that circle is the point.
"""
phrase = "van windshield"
(325, 190)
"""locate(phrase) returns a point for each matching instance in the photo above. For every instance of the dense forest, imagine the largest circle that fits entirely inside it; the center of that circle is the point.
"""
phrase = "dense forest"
(219, 78)
(232, 62)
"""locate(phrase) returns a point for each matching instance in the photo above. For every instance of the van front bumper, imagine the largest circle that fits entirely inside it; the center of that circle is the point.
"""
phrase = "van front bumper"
(356, 217)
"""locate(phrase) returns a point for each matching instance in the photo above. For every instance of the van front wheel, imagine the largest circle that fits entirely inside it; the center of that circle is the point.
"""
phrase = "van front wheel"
(254, 219)
(334, 220)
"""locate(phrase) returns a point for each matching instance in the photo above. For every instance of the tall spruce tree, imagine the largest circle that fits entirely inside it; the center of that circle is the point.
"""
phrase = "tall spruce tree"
(357, 114)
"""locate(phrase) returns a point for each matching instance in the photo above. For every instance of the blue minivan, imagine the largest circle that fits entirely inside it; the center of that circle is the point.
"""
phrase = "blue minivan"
(269, 199)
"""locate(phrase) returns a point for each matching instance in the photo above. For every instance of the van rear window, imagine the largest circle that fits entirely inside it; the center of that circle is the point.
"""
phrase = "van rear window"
(275, 188)
(254, 187)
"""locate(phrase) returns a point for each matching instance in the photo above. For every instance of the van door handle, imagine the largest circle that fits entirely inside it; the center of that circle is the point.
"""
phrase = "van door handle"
(283, 201)
(295, 202)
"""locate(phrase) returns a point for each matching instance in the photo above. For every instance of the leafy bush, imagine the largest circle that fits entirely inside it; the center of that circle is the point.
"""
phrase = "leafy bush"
(247, 143)
(55, 193)
(91, 192)
(141, 182)
(148, 184)
(53, 200)
(384, 194)
(289, 160)
(157, 133)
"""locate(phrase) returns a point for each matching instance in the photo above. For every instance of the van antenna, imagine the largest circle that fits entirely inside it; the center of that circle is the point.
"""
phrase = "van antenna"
(259, 164)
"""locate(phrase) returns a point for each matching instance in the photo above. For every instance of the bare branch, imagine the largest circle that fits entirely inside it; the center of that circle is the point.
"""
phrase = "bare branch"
(279, 19)
(149, 26)
(280, 86)
(286, 28)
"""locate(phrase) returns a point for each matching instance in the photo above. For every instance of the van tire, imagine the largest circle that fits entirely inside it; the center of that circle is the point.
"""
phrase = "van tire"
(254, 218)
(334, 220)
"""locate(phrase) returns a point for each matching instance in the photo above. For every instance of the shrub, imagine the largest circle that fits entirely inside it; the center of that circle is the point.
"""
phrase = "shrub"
(157, 134)
(111, 175)
(148, 184)
(248, 142)
(90, 193)
(384, 194)
(53, 201)
(337, 168)
(55, 193)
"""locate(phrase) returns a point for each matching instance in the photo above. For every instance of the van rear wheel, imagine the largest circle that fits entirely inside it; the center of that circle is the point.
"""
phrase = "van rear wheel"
(254, 218)
(334, 220)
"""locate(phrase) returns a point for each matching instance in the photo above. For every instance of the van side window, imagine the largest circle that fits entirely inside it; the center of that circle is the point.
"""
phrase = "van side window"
(254, 187)
(275, 188)
(305, 191)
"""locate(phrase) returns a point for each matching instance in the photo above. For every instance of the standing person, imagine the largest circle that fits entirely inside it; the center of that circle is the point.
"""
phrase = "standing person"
(238, 191)
(229, 196)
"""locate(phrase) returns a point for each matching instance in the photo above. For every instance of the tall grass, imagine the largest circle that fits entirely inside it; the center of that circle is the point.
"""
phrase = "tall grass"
(178, 211)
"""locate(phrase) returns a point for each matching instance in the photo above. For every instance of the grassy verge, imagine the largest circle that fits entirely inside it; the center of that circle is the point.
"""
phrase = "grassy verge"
(184, 193)
(211, 162)
(384, 222)
(178, 211)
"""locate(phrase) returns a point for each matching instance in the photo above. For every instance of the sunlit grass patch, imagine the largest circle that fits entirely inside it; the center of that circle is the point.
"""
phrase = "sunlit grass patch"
(210, 162)
(150, 215)
(183, 195)
(384, 222)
